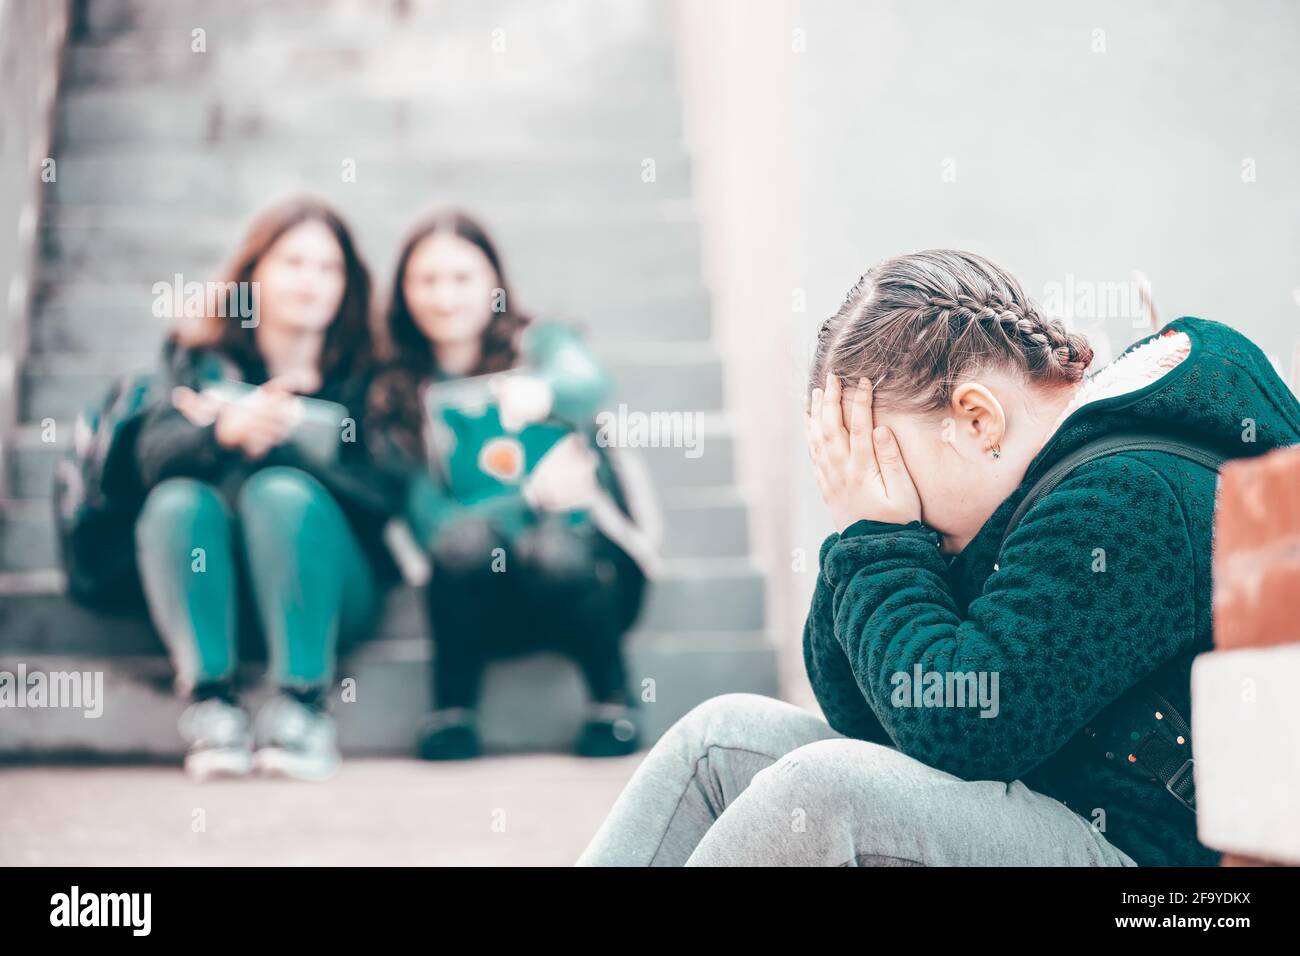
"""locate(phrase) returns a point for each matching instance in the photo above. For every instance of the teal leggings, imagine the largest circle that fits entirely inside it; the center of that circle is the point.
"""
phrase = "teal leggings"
(311, 583)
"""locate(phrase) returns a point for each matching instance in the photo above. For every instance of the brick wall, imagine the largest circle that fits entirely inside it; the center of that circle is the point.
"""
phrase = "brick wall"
(1246, 711)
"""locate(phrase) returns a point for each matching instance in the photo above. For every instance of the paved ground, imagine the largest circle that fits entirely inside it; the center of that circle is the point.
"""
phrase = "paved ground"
(518, 810)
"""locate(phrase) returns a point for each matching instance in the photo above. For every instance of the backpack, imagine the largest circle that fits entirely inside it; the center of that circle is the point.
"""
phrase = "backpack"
(1163, 747)
(97, 497)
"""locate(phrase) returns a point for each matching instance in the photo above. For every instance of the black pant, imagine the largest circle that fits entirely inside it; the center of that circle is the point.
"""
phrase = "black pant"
(556, 587)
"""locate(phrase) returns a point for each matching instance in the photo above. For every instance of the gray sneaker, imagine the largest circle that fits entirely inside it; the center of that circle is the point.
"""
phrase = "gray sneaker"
(219, 739)
(294, 740)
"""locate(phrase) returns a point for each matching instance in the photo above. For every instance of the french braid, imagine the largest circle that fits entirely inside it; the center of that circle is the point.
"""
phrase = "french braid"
(915, 324)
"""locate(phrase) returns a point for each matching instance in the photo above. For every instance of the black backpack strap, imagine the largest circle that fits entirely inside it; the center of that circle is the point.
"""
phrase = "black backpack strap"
(1110, 445)
(1165, 751)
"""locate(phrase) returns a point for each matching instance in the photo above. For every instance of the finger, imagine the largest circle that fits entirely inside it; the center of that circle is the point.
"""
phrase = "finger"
(271, 421)
(263, 437)
(823, 488)
(835, 438)
(278, 406)
(281, 412)
(832, 417)
(280, 385)
(269, 397)
(828, 473)
(814, 423)
(208, 403)
(187, 402)
(275, 434)
(893, 471)
(816, 444)
(261, 421)
(509, 420)
(861, 451)
(300, 381)
(255, 447)
(292, 412)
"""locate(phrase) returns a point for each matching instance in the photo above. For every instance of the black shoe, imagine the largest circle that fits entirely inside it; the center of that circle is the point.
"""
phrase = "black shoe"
(610, 731)
(449, 735)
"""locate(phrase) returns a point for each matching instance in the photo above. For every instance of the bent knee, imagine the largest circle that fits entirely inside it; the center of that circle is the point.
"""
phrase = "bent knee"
(464, 546)
(732, 710)
(842, 771)
(178, 502)
(279, 490)
(556, 556)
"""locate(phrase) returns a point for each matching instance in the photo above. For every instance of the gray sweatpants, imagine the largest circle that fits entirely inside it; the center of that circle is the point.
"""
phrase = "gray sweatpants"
(752, 781)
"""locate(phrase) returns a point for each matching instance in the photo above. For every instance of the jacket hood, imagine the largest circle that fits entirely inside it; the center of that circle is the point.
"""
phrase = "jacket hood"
(1194, 378)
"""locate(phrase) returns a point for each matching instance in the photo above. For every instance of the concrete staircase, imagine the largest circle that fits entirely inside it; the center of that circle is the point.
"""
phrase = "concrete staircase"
(537, 117)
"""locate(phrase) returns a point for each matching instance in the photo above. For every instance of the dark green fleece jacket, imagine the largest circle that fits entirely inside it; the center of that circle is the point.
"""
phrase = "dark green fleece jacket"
(1069, 642)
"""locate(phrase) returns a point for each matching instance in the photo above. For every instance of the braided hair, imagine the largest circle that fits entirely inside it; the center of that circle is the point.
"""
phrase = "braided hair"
(918, 324)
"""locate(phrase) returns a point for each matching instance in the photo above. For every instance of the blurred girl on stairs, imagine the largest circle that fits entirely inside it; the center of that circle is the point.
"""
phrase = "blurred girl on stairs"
(537, 539)
(265, 509)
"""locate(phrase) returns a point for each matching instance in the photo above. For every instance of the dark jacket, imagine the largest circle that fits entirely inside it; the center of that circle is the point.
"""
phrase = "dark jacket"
(1067, 641)
(367, 487)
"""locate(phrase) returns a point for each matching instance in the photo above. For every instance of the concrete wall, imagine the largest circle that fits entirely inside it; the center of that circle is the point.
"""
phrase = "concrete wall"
(1062, 140)
(737, 89)
(31, 42)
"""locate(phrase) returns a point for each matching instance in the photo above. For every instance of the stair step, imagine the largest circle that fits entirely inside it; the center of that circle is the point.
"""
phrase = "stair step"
(530, 703)
(47, 622)
(32, 583)
(84, 315)
(592, 286)
(31, 460)
(689, 597)
(524, 217)
(608, 33)
(77, 323)
(119, 73)
(689, 378)
(212, 182)
(698, 523)
(113, 249)
(695, 594)
(630, 32)
(108, 119)
(663, 239)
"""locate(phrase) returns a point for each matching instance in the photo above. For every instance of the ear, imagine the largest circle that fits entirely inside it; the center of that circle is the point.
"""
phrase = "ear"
(978, 414)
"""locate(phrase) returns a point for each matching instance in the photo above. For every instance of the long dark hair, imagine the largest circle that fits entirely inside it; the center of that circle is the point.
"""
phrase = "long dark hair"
(348, 345)
(500, 349)
(395, 395)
